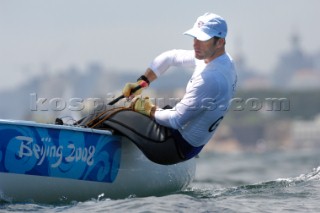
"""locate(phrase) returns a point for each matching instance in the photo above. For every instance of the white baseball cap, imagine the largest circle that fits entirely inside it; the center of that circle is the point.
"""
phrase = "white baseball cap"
(208, 26)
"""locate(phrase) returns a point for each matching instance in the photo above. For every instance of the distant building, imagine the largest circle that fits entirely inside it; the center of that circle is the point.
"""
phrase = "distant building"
(305, 79)
(290, 63)
(256, 82)
(249, 78)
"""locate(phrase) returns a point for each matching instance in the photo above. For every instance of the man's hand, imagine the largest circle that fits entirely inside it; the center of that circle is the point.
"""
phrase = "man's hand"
(143, 106)
(126, 91)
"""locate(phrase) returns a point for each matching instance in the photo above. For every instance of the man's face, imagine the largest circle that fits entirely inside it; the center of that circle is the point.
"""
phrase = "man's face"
(207, 50)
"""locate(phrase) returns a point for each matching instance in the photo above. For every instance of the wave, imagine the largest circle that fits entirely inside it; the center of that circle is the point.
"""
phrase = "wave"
(296, 186)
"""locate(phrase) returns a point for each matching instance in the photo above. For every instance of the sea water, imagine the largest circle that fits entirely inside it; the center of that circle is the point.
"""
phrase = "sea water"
(277, 181)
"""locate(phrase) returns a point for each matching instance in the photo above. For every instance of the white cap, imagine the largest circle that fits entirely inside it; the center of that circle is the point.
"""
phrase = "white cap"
(208, 26)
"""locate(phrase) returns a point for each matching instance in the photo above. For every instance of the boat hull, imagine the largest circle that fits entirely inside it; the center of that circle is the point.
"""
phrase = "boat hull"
(117, 170)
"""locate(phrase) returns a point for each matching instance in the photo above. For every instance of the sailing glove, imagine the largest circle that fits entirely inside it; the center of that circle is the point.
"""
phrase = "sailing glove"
(143, 106)
(142, 81)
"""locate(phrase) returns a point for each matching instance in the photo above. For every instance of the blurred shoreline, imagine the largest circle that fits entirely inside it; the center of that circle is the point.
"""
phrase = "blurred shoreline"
(274, 111)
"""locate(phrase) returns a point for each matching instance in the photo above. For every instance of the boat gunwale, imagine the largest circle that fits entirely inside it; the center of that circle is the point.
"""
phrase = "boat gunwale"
(54, 126)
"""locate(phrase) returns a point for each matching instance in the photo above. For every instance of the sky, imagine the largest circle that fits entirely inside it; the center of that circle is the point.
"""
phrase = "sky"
(124, 36)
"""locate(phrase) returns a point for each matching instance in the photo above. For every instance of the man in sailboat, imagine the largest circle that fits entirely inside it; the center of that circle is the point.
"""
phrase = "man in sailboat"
(194, 119)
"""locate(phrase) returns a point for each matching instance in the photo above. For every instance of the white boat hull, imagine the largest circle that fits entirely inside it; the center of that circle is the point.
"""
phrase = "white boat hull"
(135, 176)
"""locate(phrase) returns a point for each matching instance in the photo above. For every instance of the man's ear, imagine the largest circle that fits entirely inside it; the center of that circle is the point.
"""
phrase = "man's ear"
(221, 42)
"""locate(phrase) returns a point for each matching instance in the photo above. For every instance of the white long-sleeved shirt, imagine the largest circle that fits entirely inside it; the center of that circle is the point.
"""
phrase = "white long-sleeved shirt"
(207, 95)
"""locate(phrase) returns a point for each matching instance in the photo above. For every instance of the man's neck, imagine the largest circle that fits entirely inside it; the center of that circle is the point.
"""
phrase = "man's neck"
(214, 56)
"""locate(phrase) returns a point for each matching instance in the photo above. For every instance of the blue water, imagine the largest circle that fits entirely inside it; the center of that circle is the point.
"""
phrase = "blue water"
(279, 181)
